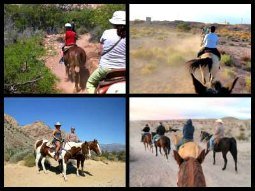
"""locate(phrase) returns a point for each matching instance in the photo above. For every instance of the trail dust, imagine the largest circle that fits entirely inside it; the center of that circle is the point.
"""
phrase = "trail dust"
(54, 53)
(97, 174)
(147, 170)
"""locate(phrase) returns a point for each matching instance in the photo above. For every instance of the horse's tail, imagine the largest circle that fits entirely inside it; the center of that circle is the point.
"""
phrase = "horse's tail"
(196, 63)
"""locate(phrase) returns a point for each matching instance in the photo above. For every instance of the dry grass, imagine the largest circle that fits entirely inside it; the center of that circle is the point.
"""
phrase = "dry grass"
(235, 35)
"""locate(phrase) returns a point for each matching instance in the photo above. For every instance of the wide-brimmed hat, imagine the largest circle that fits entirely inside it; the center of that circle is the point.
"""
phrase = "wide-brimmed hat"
(57, 124)
(219, 121)
(118, 18)
(72, 128)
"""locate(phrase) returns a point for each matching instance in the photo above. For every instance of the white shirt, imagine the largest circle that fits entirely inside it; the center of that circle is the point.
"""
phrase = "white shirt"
(115, 58)
(210, 40)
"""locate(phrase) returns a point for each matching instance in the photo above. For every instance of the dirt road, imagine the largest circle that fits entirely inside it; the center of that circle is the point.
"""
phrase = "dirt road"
(97, 174)
(54, 54)
(147, 170)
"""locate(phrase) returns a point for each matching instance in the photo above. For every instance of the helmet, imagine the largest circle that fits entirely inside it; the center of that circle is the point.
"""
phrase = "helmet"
(57, 124)
(219, 121)
(68, 25)
(118, 18)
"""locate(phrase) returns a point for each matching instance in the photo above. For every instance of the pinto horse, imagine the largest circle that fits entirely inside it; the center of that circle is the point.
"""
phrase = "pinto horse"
(208, 64)
(76, 68)
(147, 141)
(70, 151)
(190, 170)
(224, 145)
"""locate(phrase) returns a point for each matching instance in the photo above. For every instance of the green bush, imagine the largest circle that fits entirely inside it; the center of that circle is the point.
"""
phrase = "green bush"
(29, 160)
(227, 60)
(19, 155)
(22, 64)
(183, 27)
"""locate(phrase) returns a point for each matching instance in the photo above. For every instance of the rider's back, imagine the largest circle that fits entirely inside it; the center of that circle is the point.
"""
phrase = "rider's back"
(115, 58)
(211, 40)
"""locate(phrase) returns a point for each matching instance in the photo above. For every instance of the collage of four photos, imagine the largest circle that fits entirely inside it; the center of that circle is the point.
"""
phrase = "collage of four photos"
(176, 109)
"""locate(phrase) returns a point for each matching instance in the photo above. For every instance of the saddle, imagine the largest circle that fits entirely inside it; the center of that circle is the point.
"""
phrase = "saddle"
(66, 48)
(189, 149)
(112, 77)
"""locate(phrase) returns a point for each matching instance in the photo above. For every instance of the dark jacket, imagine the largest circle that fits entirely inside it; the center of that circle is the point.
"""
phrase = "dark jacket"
(188, 130)
(146, 129)
(161, 130)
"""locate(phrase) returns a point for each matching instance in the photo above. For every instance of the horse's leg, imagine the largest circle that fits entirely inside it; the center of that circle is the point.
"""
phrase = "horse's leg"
(64, 170)
(160, 150)
(213, 157)
(42, 162)
(144, 146)
(38, 156)
(165, 150)
(224, 154)
(82, 165)
(78, 166)
(234, 155)
(202, 74)
(156, 150)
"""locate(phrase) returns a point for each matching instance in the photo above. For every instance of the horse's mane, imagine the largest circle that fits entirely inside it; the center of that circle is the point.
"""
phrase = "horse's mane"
(196, 63)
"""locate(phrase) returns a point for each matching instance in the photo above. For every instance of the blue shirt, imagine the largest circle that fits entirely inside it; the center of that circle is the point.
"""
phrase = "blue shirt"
(210, 40)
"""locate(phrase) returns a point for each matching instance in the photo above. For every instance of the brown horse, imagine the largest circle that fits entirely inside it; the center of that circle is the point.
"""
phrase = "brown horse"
(148, 141)
(190, 171)
(93, 146)
(76, 69)
(165, 143)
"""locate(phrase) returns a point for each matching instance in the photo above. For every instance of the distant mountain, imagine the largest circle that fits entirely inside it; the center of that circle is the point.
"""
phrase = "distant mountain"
(113, 147)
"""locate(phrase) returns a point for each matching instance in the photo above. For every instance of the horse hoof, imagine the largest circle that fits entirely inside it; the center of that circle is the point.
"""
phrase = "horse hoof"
(45, 172)
(223, 168)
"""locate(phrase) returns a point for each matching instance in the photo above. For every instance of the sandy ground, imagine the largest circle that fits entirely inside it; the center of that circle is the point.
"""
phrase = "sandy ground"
(97, 174)
(147, 170)
(52, 62)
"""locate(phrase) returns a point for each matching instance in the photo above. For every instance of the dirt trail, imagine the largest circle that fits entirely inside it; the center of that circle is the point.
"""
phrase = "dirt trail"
(148, 170)
(54, 55)
(97, 174)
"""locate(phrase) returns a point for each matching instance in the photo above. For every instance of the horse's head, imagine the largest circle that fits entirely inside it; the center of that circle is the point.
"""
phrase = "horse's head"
(85, 149)
(215, 88)
(94, 146)
(190, 171)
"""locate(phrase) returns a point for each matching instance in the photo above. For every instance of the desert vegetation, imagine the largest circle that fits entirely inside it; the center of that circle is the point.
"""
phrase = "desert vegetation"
(158, 52)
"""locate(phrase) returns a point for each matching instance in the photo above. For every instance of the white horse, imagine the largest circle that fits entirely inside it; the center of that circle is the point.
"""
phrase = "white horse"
(117, 88)
(209, 65)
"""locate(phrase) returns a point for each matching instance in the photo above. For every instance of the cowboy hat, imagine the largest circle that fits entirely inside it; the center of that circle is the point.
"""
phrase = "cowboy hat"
(118, 18)
(219, 121)
(57, 124)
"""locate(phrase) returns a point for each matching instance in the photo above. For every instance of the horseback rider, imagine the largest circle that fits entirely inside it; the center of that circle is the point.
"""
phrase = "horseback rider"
(72, 137)
(57, 139)
(188, 133)
(70, 39)
(113, 55)
(218, 133)
(210, 43)
(160, 131)
(145, 130)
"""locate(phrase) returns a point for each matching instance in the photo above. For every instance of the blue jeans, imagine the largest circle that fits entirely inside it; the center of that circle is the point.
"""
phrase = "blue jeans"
(155, 137)
(211, 143)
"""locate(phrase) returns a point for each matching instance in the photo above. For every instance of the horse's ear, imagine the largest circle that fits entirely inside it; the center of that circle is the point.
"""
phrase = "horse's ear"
(178, 158)
(199, 87)
(85, 142)
(201, 156)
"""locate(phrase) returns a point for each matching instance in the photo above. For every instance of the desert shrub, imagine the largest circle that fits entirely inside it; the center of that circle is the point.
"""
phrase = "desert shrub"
(242, 136)
(183, 27)
(29, 160)
(149, 68)
(227, 60)
(18, 156)
(246, 58)
(248, 84)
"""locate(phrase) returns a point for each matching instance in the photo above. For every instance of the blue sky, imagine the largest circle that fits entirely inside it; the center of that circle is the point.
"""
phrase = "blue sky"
(185, 108)
(100, 118)
(208, 13)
